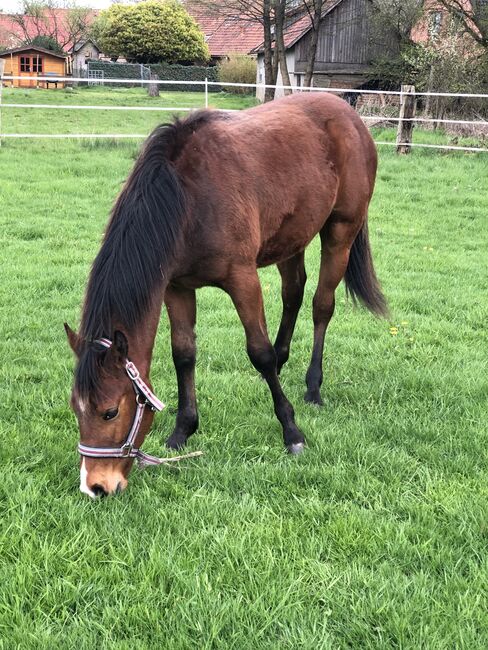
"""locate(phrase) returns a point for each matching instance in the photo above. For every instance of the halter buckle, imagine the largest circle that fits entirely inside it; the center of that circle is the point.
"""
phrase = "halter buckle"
(126, 450)
(132, 371)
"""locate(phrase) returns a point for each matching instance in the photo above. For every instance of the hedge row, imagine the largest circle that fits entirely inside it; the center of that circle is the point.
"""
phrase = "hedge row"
(163, 71)
(187, 73)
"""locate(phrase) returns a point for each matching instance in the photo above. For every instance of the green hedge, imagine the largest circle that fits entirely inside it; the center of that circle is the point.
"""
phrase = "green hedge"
(165, 71)
(120, 70)
(187, 73)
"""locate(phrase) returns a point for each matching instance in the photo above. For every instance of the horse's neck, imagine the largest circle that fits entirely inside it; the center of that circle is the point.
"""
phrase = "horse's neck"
(141, 341)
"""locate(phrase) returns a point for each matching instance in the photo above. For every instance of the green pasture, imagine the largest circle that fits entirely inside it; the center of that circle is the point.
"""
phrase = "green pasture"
(376, 537)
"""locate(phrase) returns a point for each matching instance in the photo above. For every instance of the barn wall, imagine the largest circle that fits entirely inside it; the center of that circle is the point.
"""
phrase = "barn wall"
(343, 42)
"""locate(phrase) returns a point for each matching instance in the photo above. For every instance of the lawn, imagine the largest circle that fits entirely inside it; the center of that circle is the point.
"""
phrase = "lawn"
(376, 537)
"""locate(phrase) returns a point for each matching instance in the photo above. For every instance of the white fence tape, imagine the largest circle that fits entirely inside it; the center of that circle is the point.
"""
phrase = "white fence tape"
(177, 109)
(170, 82)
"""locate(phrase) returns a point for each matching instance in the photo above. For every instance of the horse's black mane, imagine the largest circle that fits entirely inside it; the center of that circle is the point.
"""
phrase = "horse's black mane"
(139, 244)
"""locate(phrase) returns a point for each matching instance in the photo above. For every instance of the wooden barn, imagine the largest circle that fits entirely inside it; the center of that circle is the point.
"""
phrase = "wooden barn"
(344, 49)
(33, 61)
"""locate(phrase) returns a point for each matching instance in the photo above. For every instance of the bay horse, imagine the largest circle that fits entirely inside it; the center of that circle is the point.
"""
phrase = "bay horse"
(210, 199)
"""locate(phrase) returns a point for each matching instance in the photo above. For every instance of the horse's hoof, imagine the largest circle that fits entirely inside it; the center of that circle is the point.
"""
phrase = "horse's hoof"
(176, 441)
(313, 397)
(296, 448)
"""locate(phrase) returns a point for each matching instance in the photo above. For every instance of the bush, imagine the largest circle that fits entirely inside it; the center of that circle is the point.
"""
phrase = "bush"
(186, 73)
(151, 31)
(238, 68)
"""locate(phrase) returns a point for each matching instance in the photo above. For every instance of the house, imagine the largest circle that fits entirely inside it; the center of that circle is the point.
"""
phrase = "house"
(33, 61)
(225, 35)
(82, 52)
(344, 49)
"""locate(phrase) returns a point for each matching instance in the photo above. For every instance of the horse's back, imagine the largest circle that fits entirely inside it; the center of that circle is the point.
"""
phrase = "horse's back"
(265, 180)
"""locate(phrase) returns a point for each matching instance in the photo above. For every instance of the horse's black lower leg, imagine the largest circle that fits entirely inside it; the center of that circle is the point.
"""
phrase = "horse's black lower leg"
(181, 306)
(245, 291)
(337, 238)
(293, 279)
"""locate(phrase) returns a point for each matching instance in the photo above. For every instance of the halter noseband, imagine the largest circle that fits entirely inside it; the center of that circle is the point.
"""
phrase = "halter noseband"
(144, 397)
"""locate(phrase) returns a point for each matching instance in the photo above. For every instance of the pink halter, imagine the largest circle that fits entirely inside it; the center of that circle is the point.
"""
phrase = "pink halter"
(144, 397)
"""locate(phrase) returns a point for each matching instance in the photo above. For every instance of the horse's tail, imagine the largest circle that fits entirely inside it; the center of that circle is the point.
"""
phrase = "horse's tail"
(360, 278)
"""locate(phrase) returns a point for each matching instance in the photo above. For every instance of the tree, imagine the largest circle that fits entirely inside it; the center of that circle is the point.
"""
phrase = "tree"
(391, 24)
(150, 32)
(274, 16)
(314, 10)
(472, 17)
(48, 43)
(45, 20)
(394, 20)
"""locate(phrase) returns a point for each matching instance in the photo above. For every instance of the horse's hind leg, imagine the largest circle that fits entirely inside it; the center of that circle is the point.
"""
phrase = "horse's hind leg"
(293, 278)
(181, 306)
(337, 237)
(245, 290)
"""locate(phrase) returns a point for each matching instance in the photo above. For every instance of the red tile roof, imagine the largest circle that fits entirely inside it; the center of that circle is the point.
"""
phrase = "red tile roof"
(54, 22)
(224, 35)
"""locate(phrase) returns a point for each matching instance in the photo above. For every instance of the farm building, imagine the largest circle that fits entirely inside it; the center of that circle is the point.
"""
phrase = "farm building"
(83, 52)
(33, 61)
(344, 50)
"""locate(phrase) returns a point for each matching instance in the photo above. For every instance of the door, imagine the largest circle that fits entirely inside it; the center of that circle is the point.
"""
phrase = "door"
(26, 69)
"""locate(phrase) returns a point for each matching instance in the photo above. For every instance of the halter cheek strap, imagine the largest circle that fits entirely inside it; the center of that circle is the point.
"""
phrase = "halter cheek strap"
(144, 398)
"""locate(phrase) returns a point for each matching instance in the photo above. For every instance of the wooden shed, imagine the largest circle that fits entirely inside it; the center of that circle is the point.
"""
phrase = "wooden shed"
(33, 61)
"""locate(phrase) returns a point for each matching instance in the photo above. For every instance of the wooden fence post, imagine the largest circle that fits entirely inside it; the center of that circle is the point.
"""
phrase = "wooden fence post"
(408, 107)
(152, 88)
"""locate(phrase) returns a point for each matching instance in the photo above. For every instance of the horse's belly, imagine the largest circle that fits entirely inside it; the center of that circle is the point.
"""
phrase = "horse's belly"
(293, 236)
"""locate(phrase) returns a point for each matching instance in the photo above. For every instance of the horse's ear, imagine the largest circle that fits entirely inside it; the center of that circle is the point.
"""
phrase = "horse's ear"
(120, 346)
(74, 340)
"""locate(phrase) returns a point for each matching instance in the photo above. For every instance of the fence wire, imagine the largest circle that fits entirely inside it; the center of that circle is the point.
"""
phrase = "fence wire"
(372, 120)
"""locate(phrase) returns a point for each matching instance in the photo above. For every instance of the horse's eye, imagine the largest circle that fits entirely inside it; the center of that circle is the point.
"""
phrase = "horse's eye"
(110, 414)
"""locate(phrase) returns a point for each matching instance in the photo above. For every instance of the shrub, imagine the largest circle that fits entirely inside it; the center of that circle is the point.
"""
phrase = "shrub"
(238, 68)
(151, 31)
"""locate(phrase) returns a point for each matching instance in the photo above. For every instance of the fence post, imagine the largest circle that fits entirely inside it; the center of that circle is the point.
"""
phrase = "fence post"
(2, 68)
(408, 107)
(206, 92)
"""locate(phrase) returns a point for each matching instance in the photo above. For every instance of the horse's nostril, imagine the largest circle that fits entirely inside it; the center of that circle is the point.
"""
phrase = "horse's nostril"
(118, 489)
(99, 491)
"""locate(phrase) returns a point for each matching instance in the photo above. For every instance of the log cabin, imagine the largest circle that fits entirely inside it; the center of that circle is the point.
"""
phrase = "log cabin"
(33, 61)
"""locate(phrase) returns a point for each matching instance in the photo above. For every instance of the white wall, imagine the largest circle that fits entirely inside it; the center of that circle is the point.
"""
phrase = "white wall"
(294, 78)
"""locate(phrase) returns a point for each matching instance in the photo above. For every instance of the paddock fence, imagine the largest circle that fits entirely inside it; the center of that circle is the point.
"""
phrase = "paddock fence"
(382, 109)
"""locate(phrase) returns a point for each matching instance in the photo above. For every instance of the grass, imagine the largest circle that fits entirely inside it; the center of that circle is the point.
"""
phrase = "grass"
(376, 537)
(22, 120)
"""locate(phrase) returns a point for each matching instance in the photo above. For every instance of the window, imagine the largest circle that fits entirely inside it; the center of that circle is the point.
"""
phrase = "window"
(435, 23)
(37, 64)
(25, 64)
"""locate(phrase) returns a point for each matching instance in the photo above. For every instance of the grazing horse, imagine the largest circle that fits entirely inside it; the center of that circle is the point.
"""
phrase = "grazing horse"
(210, 199)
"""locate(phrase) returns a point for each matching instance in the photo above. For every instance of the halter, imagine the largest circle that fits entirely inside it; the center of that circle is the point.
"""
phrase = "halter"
(144, 397)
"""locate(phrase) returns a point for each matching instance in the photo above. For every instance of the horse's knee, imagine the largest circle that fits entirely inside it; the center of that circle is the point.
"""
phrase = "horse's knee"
(184, 359)
(263, 359)
(282, 355)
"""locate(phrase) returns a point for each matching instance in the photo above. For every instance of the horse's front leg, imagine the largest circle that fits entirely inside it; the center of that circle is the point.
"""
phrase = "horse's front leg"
(293, 278)
(181, 306)
(244, 288)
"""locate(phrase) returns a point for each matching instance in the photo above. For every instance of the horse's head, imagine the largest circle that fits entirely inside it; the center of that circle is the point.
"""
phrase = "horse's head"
(114, 406)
